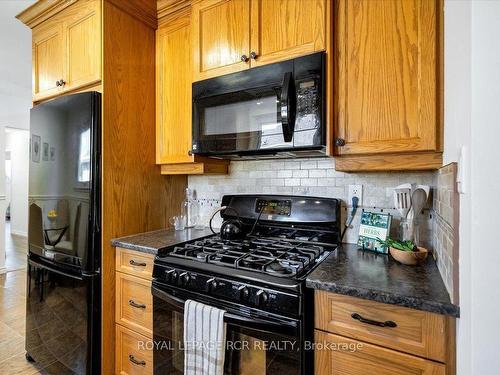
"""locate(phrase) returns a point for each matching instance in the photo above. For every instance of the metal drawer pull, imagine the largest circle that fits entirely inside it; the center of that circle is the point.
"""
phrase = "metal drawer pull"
(138, 264)
(136, 305)
(132, 359)
(388, 323)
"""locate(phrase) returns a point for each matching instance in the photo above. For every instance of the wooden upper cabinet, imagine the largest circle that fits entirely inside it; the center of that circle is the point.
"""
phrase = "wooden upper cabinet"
(173, 92)
(285, 29)
(221, 36)
(386, 86)
(48, 57)
(233, 35)
(82, 25)
(67, 50)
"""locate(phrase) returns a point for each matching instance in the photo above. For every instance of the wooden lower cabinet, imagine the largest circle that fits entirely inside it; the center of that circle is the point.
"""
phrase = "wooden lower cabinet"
(416, 332)
(134, 263)
(337, 355)
(134, 303)
(355, 336)
(134, 355)
(133, 313)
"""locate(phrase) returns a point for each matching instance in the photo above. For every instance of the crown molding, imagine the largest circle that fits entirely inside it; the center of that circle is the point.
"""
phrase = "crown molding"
(166, 8)
(42, 10)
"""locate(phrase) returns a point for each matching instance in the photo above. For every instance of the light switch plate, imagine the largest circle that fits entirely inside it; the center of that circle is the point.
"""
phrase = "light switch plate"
(355, 191)
(462, 172)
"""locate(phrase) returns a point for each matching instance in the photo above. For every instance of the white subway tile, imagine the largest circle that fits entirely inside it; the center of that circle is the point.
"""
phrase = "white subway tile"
(308, 182)
(326, 181)
(309, 164)
(317, 173)
(284, 173)
(292, 165)
(326, 164)
(292, 182)
(301, 173)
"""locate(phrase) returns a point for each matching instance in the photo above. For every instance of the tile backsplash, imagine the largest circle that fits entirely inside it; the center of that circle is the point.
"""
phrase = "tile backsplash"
(311, 177)
(445, 228)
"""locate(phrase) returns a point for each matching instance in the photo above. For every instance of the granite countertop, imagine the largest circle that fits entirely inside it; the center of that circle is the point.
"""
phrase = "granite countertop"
(157, 241)
(378, 277)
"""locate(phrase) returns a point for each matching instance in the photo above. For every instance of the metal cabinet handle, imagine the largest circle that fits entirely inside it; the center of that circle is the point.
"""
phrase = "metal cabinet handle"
(253, 55)
(387, 323)
(132, 359)
(137, 264)
(136, 305)
(190, 153)
(244, 58)
(339, 142)
(61, 82)
(58, 83)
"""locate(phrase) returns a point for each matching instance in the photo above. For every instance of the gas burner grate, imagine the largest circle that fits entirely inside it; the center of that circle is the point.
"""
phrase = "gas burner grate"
(277, 256)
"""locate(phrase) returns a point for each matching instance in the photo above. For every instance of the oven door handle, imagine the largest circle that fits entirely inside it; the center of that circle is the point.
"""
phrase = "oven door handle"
(288, 106)
(283, 327)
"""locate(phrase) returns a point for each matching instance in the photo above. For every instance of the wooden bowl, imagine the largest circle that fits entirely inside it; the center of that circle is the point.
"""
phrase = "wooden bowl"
(410, 258)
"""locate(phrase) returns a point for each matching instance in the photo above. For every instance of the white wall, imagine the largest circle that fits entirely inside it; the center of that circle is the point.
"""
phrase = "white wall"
(472, 113)
(485, 186)
(15, 86)
(17, 142)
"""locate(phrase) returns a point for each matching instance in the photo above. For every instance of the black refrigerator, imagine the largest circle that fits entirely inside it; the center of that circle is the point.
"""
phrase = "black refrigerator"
(63, 302)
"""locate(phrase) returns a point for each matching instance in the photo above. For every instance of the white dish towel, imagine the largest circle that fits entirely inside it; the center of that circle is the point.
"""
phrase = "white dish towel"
(204, 339)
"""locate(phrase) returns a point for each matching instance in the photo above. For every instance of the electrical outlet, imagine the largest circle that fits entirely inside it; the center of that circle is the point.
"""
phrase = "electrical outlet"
(355, 191)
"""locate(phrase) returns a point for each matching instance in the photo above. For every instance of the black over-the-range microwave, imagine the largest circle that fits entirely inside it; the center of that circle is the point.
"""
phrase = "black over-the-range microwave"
(273, 111)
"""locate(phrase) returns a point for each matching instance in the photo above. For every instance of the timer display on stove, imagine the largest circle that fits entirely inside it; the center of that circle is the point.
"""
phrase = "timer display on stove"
(274, 207)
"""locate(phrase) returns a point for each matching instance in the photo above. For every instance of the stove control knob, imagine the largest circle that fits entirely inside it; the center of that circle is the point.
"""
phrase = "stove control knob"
(244, 292)
(171, 275)
(212, 285)
(185, 278)
(262, 298)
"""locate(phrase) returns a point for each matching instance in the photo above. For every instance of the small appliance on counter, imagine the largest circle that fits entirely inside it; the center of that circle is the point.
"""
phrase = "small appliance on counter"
(273, 111)
(255, 271)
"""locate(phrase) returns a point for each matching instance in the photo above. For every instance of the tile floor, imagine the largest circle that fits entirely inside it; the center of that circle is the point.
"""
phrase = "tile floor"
(13, 309)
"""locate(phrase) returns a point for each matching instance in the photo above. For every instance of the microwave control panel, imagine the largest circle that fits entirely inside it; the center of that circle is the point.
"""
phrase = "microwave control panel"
(274, 207)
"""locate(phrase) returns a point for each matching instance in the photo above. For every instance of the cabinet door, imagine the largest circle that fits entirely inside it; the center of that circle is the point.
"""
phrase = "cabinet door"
(284, 29)
(221, 36)
(82, 28)
(173, 92)
(386, 69)
(48, 66)
(133, 353)
(337, 355)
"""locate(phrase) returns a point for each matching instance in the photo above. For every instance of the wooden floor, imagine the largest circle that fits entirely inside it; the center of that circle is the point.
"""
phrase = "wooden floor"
(13, 309)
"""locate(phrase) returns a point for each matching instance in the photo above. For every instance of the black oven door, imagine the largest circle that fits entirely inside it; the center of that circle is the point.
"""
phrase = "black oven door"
(265, 110)
(255, 343)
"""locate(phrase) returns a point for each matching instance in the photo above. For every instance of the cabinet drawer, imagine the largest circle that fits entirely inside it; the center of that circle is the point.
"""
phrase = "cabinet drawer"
(336, 355)
(133, 353)
(416, 332)
(134, 303)
(134, 263)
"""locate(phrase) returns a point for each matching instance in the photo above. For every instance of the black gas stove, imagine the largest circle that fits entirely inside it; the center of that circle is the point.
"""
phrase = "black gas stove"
(255, 268)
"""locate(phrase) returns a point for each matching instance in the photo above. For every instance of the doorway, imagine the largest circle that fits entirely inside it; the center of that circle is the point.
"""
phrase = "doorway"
(17, 153)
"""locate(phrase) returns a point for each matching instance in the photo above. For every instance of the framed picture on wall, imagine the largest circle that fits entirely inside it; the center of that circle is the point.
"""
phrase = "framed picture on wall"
(45, 151)
(35, 148)
(52, 153)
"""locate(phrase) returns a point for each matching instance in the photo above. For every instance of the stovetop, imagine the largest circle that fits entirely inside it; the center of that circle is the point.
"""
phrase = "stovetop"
(271, 255)
(287, 237)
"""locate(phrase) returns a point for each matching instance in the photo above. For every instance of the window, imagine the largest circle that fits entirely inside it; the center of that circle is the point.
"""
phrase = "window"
(84, 157)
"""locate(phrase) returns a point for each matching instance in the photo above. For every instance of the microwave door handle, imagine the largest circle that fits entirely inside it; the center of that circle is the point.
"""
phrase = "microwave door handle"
(288, 104)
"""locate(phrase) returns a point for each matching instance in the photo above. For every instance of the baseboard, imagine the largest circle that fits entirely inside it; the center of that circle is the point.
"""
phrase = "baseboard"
(19, 233)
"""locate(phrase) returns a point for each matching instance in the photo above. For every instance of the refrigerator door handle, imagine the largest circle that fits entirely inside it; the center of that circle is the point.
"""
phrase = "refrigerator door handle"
(55, 270)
